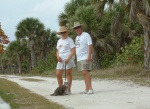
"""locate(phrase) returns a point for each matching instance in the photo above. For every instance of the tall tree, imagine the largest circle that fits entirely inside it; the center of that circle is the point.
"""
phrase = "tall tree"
(139, 10)
(47, 43)
(17, 49)
(31, 28)
(84, 12)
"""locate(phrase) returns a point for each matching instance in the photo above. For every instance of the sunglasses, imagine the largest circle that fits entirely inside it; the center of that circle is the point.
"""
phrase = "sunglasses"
(77, 27)
(62, 32)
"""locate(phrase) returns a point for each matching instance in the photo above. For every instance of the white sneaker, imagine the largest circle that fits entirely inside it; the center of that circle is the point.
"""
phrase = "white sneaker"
(68, 92)
(85, 92)
(90, 92)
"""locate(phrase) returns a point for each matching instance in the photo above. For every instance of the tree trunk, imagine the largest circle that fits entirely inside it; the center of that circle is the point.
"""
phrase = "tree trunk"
(147, 50)
(145, 21)
(2, 69)
(95, 57)
(33, 58)
(19, 64)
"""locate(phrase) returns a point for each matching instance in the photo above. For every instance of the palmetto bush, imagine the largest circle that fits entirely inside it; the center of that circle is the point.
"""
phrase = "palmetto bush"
(130, 54)
(43, 65)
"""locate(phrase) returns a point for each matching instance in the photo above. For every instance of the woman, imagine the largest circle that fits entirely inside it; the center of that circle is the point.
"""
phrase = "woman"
(65, 56)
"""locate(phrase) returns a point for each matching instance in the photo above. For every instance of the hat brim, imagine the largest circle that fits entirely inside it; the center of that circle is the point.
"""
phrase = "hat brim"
(76, 26)
(59, 33)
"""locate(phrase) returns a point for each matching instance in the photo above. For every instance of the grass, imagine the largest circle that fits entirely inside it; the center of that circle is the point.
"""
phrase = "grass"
(31, 79)
(20, 98)
(126, 73)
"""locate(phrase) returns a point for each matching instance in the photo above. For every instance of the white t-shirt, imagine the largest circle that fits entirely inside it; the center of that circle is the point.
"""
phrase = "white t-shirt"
(82, 43)
(64, 47)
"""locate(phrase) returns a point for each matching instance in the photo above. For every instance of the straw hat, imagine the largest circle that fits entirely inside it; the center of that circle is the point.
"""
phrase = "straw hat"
(76, 24)
(62, 29)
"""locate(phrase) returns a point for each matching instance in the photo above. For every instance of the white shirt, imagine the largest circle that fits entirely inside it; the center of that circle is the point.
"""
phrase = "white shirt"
(64, 47)
(82, 43)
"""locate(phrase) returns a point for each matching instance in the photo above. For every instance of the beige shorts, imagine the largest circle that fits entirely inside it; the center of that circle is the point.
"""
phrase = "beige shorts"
(84, 65)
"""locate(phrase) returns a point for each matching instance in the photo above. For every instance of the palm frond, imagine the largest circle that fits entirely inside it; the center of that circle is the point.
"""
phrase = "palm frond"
(133, 11)
(63, 19)
(146, 6)
(144, 20)
(116, 24)
(149, 2)
(106, 47)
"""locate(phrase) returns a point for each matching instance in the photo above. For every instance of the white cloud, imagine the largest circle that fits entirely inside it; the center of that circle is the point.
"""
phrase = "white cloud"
(12, 12)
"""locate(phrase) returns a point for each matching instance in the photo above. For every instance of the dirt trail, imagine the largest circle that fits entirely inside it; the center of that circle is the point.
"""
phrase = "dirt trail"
(109, 94)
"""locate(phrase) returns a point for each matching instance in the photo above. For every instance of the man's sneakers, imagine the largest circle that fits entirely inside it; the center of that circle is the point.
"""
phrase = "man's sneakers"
(90, 92)
(84, 92)
(87, 92)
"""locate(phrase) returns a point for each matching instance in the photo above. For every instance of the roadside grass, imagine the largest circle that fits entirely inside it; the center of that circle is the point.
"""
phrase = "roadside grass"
(20, 98)
(126, 73)
(31, 79)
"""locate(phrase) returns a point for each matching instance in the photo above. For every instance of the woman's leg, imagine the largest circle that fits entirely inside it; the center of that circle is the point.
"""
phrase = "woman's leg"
(69, 78)
(59, 77)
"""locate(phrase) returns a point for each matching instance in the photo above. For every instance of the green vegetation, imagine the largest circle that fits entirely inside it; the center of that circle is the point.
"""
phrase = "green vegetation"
(20, 98)
(31, 79)
(119, 38)
(131, 54)
(120, 35)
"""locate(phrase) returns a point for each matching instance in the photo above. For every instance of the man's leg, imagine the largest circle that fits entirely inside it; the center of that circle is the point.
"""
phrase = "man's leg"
(87, 79)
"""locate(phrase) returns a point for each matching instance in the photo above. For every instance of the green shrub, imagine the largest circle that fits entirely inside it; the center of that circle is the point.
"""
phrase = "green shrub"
(132, 53)
(46, 65)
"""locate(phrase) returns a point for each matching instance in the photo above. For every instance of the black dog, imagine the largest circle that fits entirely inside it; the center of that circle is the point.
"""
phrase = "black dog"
(60, 91)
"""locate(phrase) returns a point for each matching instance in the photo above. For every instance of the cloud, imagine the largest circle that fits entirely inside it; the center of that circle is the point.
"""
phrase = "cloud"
(12, 12)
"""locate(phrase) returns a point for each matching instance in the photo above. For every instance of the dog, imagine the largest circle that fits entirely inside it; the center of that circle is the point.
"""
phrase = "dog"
(60, 91)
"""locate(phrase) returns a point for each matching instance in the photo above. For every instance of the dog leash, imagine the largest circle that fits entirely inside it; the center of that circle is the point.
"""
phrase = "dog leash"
(65, 83)
(65, 72)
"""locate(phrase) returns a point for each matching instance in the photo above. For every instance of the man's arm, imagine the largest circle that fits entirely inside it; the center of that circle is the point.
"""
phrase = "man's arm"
(90, 52)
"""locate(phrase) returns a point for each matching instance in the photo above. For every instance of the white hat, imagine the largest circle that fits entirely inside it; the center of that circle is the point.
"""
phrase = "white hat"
(76, 24)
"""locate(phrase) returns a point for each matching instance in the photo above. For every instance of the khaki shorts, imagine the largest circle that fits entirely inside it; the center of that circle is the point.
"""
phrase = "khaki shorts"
(84, 65)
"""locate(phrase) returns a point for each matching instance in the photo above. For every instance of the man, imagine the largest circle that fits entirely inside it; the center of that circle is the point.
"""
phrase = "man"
(84, 47)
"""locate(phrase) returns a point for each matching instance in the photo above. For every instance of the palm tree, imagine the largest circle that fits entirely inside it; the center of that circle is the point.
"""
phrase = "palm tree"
(93, 24)
(3, 62)
(70, 10)
(18, 50)
(139, 10)
(30, 28)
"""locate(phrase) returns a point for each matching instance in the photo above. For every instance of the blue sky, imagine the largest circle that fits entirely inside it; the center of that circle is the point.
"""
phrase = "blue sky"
(13, 11)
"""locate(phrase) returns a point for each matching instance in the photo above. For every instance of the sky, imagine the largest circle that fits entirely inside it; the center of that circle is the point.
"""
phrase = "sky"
(14, 11)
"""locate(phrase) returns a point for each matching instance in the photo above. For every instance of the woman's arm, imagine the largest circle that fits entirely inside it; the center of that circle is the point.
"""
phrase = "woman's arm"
(58, 57)
(71, 55)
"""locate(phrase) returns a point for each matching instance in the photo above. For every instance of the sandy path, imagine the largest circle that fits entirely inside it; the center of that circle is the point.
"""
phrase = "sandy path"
(108, 94)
